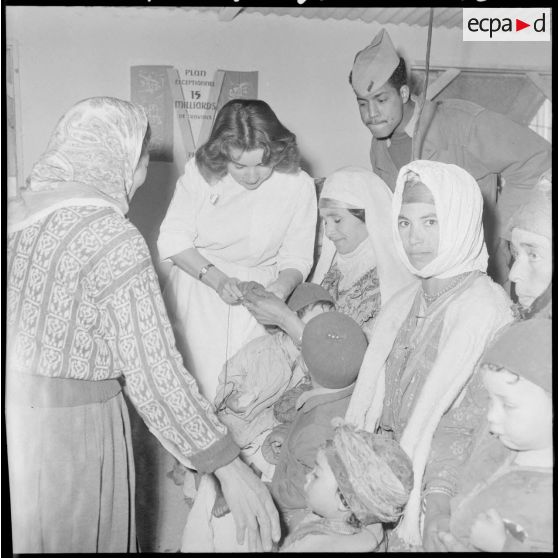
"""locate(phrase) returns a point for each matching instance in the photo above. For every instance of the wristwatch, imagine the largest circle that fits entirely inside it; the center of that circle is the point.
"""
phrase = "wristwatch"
(204, 270)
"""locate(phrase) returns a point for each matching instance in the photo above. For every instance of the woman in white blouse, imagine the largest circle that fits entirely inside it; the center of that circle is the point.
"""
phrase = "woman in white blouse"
(242, 211)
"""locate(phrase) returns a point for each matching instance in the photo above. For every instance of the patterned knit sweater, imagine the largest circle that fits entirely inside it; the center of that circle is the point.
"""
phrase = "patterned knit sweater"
(83, 302)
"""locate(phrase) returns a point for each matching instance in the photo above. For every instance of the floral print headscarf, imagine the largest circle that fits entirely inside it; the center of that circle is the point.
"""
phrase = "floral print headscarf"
(97, 143)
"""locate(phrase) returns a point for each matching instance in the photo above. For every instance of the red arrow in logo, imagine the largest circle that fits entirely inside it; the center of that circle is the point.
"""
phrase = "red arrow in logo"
(519, 25)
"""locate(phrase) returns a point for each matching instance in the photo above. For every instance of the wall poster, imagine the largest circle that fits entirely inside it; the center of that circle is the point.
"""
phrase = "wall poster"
(190, 97)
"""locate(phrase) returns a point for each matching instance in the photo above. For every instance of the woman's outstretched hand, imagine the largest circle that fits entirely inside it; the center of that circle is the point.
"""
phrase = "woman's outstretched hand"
(267, 308)
(229, 291)
(252, 507)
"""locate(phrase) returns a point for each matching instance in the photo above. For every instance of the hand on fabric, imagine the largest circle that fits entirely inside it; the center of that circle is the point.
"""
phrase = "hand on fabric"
(228, 290)
(277, 289)
(437, 518)
(451, 544)
(252, 288)
(488, 532)
(251, 505)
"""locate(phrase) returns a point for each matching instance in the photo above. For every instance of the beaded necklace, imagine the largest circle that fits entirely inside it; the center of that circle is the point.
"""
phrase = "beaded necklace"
(458, 279)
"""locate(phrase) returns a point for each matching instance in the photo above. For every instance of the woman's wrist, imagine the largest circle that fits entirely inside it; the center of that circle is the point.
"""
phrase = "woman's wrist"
(213, 278)
(204, 270)
(286, 282)
(293, 326)
(437, 503)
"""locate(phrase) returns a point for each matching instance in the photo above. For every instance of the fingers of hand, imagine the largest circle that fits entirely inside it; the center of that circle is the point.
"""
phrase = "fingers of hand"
(240, 526)
(273, 516)
(254, 543)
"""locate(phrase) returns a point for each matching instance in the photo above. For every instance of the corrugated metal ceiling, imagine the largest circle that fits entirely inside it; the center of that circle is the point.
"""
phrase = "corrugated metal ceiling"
(443, 17)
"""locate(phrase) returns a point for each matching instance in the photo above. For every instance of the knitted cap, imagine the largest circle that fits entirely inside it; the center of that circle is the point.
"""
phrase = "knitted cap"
(333, 346)
(525, 348)
(306, 294)
(374, 474)
(535, 215)
(374, 65)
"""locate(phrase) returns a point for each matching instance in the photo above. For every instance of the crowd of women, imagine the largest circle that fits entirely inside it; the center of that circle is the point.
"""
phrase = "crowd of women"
(448, 416)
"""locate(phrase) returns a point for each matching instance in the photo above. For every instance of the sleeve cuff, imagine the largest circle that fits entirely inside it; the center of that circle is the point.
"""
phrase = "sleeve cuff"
(447, 489)
(219, 454)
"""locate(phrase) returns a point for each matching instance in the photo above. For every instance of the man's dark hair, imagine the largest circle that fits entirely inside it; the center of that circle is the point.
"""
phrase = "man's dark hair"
(399, 77)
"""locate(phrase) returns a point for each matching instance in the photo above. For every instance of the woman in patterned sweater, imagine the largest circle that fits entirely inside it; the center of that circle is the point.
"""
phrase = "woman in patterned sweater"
(85, 313)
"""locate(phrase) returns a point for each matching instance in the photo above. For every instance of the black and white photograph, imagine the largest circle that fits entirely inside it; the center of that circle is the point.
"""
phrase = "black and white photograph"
(277, 278)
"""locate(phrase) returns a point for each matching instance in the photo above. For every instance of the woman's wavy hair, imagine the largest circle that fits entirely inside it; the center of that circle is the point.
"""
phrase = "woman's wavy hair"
(247, 124)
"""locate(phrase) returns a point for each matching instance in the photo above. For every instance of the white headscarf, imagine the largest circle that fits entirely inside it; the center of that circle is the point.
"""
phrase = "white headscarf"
(90, 159)
(459, 206)
(363, 189)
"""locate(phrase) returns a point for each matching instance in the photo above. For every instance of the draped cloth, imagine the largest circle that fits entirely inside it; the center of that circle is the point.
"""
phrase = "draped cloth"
(363, 189)
(471, 318)
(90, 159)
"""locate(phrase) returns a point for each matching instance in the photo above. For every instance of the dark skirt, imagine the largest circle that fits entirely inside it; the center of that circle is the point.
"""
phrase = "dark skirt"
(72, 478)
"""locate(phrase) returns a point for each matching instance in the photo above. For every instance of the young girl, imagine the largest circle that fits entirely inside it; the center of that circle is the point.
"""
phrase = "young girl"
(360, 479)
(511, 510)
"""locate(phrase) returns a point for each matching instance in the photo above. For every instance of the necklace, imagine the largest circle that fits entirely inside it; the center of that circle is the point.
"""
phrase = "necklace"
(456, 281)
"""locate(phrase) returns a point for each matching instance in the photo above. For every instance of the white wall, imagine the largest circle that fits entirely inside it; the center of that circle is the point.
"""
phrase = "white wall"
(69, 53)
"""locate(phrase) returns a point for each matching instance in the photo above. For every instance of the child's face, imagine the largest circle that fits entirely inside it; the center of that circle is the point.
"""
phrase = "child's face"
(321, 489)
(520, 412)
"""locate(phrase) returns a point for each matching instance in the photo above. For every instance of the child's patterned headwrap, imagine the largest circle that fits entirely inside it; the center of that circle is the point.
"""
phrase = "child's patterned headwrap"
(374, 474)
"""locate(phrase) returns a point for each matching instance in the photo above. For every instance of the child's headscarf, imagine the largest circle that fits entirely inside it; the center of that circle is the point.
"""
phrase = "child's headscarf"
(459, 207)
(362, 189)
(536, 214)
(92, 155)
(374, 474)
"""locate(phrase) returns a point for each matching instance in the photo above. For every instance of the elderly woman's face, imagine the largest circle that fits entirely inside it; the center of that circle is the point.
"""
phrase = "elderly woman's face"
(419, 232)
(344, 229)
(247, 169)
(532, 268)
(140, 174)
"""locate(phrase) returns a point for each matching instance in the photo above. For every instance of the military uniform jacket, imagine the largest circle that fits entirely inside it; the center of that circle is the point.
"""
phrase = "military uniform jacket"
(483, 142)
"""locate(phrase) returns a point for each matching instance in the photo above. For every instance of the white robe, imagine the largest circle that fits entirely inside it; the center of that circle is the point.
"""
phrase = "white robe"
(247, 234)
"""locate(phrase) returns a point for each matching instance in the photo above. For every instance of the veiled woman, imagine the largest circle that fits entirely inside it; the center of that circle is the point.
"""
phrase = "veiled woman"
(85, 313)
(428, 338)
(358, 263)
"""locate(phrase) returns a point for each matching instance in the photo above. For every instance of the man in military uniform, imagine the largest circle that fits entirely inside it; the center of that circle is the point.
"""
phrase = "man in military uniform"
(504, 157)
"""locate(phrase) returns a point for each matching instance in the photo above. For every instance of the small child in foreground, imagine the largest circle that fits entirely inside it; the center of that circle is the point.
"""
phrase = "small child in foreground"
(333, 346)
(360, 481)
(261, 372)
(512, 509)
